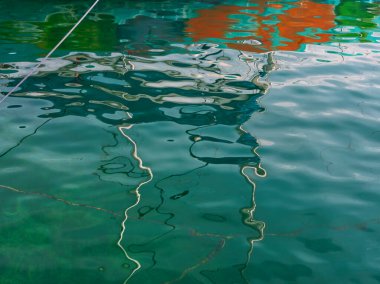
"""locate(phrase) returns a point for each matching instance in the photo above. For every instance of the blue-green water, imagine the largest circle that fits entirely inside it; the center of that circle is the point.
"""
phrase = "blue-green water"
(203, 142)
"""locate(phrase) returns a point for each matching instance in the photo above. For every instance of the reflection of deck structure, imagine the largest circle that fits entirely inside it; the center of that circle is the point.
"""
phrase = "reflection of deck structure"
(223, 84)
(180, 116)
(207, 91)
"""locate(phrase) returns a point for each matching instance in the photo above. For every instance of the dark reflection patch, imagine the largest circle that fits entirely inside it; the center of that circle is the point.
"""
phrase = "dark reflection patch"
(179, 195)
(214, 217)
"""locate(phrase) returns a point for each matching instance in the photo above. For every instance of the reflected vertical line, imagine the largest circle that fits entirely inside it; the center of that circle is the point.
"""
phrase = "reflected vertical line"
(249, 220)
(138, 198)
(260, 225)
(25, 137)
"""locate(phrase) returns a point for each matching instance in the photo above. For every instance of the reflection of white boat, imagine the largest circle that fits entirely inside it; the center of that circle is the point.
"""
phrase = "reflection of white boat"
(210, 70)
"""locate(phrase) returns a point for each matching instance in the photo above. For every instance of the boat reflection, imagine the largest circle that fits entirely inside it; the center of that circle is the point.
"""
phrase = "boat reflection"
(255, 26)
(263, 26)
(205, 95)
(179, 89)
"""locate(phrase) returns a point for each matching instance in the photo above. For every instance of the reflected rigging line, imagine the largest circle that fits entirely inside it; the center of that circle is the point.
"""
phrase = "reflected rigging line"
(138, 198)
(59, 199)
(34, 69)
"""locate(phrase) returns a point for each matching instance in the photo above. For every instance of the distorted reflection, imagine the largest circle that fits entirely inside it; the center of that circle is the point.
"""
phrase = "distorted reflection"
(263, 26)
(206, 97)
(256, 26)
(97, 32)
(267, 26)
(167, 93)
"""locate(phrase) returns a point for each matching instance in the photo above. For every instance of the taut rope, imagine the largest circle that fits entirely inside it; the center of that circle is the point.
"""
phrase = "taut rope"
(34, 69)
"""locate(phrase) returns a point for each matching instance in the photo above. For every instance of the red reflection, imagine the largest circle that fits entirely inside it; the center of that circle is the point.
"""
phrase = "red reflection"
(212, 23)
(275, 26)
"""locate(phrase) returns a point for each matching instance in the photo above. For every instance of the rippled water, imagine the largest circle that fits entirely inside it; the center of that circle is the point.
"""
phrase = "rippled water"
(211, 142)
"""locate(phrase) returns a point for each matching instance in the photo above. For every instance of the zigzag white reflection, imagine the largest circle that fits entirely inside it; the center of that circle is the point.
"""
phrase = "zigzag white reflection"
(261, 225)
(138, 198)
(250, 211)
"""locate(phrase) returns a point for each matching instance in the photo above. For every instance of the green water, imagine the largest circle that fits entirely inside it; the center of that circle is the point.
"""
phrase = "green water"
(203, 142)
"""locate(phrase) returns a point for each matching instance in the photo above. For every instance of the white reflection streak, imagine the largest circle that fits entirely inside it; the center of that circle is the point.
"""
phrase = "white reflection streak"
(251, 212)
(138, 197)
(253, 208)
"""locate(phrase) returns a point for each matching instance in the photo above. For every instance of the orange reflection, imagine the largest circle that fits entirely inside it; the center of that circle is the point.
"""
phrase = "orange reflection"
(214, 23)
(308, 15)
(276, 26)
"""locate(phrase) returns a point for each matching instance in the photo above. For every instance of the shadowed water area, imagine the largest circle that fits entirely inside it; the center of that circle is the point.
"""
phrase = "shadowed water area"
(203, 142)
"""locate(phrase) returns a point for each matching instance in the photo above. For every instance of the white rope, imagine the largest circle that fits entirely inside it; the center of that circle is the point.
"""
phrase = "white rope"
(49, 54)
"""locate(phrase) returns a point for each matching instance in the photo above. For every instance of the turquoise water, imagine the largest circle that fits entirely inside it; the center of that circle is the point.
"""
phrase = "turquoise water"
(210, 142)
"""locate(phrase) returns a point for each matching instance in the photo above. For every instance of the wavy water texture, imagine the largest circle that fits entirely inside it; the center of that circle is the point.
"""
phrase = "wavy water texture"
(154, 145)
(202, 100)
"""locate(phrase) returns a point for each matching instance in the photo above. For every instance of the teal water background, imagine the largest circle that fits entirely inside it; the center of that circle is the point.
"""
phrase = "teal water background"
(203, 142)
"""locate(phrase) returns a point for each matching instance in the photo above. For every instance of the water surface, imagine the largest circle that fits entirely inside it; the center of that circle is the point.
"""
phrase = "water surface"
(210, 142)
